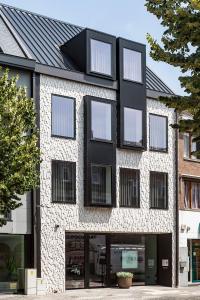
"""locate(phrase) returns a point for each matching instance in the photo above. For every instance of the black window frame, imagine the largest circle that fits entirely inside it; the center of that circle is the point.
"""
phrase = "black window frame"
(137, 173)
(105, 38)
(106, 101)
(167, 133)
(73, 164)
(133, 145)
(74, 109)
(142, 77)
(90, 203)
(167, 190)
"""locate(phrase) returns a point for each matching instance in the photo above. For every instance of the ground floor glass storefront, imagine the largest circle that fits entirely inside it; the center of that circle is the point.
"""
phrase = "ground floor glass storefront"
(11, 260)
(92, 260)
(194, 260)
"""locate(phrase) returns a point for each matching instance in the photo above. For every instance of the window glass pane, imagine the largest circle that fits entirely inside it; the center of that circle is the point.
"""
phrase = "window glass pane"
(158, 190)
(186, 141)
(63, 182)
(100, 57)
(132, 65)
(101, 184)
(195, 194)
(63, 116)
(129, 188)
(101, 120)
(132, 126)
(158, 133)
(187, 194)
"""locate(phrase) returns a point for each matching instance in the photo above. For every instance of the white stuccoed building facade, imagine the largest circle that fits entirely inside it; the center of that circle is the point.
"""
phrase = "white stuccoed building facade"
(77, 218)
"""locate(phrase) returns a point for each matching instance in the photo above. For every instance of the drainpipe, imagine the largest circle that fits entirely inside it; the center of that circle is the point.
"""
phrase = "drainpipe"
(177, 199)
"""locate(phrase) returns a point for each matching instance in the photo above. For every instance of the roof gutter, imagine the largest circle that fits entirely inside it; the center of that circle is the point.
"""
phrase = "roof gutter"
(17, 62)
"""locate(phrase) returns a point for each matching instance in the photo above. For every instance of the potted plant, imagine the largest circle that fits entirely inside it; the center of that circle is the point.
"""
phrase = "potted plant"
(124, 279)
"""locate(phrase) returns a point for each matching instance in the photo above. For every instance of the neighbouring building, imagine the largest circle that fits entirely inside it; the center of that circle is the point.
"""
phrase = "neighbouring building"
(189, 210)
(107, 196)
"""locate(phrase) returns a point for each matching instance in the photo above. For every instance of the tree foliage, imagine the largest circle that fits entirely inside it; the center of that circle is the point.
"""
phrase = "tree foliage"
(180, 47)
(19, 154)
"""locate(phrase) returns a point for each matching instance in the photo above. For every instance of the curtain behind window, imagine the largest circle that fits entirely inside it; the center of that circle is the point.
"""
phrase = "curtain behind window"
(158, 190)
(100, 57)
(133, 126)
(158, 132)
(62, 116)
(132, 62)
(195, 195)
(101, 120)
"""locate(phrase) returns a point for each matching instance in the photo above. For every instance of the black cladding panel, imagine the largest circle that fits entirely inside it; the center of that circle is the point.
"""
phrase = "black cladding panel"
(131, 94)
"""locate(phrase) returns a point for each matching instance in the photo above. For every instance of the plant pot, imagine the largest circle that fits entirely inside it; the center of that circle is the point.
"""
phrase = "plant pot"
(124, 282)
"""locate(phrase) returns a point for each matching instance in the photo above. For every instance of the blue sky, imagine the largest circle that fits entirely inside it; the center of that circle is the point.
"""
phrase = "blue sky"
(125, 18)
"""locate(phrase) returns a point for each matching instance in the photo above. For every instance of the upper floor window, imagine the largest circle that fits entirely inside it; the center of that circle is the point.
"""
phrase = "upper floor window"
(190, 147)
(132, 65)
(101, 57)
(158, 190)
(63, 116)
(63, 181)
(129, 187)
(101, 121)
(133, 127)
(101, 184)
(192, 194)
(158, 132)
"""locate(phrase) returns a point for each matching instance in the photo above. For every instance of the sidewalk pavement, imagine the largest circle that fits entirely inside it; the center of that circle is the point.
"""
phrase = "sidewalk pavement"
(134, 293)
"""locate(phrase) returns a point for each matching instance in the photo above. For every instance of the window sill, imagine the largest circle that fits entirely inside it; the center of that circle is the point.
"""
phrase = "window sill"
(63, 137)
(134, 207)
(133, 147)
(159, 151)
(190, 209)
(192, 160)
(110, 206)
(158, 208)
(63, 202)
(101, 141)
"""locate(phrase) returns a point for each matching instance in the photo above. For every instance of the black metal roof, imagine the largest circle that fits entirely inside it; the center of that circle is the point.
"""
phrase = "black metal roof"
(41, 37)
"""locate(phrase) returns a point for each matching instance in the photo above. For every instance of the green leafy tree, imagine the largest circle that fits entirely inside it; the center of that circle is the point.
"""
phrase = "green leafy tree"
(19, 154)
(180, 47)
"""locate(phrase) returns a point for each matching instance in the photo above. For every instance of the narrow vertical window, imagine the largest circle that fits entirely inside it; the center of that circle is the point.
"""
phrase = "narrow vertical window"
(129, 188)
(186, 141)
(158, 190)
(158, 132)
(101, 121)
(133, 127)
(63, 117)
(101, 57)
(132, 65)
(101, 184)
(63, 181)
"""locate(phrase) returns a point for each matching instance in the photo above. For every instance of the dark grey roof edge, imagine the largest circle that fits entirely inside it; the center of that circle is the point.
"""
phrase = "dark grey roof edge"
(39, 15)
(154, 73)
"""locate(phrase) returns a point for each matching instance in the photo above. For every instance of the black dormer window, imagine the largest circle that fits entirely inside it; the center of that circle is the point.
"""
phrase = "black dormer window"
(101, 57)
(1, 51)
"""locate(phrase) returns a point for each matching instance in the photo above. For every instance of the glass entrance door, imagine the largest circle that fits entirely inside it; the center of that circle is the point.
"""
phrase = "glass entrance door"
(195, 260)
(74, 260)
(97, 260)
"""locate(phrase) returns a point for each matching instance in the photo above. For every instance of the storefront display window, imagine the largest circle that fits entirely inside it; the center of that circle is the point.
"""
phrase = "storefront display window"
(11, 260)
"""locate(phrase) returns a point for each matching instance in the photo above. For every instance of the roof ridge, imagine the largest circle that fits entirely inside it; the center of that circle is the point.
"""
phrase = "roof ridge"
(39, 15)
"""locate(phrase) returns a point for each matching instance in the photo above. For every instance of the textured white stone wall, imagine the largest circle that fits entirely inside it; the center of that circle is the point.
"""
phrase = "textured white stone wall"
(76, 217)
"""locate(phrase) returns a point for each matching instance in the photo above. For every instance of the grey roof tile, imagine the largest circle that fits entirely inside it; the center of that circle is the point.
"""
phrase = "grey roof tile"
(42, 37)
